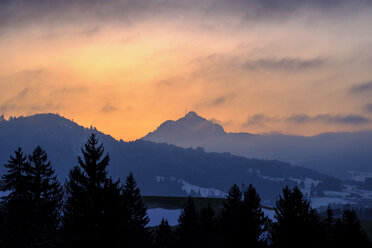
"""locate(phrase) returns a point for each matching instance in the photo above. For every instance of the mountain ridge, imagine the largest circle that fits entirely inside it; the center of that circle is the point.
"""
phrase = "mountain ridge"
(160, 169)
(334, 153)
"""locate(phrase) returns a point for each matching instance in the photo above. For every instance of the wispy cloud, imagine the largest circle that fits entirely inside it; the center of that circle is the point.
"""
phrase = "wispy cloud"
(69, 90)
(108, 108)
(217, 101)
(350, 119)
(258, 120)
(14, 103)
(261, 120)
(222, 99)
(220, 122)
(286, 63)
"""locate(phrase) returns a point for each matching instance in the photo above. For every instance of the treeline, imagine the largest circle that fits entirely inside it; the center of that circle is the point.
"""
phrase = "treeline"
(93, 210)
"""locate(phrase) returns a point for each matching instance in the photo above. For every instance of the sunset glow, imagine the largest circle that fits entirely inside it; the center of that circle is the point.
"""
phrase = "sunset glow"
(127, 66)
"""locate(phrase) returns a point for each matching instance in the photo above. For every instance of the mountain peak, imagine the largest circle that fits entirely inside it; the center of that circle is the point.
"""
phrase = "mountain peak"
(192, 118)
(191, 114)
(190, 127)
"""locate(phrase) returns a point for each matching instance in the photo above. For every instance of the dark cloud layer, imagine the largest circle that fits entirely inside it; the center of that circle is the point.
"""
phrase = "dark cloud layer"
(287, 64)
(361, 88)
(23, 12)
(368, 107)
(351, 119)
(258, 120)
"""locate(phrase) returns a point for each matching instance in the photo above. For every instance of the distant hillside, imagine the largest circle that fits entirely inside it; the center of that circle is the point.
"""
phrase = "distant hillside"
(160, 169)
(330, 153)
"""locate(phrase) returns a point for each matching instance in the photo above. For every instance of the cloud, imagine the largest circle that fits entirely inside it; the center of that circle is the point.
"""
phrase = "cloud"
(165, 83)
(63, 91)
(216, 101)
(220, 122)
(25, 100)
(351, 119)
(25, 12)
(258, 120)
(286, 63)
(368, 107)
(299, 118)
(216, 64)
(219, 100)
(13, 103)
(222, 100)
(108, 108)
(361, 88)
(168, 83)
(44, 107)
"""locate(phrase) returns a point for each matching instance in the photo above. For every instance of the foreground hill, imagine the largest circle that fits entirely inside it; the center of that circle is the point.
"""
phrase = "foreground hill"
(331, 153)
(160, 169)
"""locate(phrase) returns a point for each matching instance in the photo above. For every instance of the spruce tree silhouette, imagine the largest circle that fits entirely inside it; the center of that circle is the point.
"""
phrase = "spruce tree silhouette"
(164, 236)
(18, 211)
(188, 225)
(46, 195)
(136, 234)
(253, 219)
(230, 220)
(17, 179)
(92, 210)
(297, 223)
(349, 233)
(329, 226)
(208, 227)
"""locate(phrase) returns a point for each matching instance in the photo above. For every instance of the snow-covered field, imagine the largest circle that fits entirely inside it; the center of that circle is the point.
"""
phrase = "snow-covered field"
(269, 213)
(4, 193)
(359, 176)
(156, 214)
(189, 188)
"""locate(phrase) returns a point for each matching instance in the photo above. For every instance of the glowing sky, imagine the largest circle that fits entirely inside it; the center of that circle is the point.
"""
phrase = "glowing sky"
(298, 67)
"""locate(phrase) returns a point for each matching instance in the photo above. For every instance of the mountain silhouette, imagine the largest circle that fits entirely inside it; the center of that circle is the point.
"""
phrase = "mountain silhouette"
(189, 129)
(160, 169)
(330, 153)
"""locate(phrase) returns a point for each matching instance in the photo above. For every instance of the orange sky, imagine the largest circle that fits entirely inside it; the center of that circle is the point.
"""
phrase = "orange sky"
(125, 66)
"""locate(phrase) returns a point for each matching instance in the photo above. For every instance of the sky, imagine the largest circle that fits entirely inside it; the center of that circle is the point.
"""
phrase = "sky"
(125, 66)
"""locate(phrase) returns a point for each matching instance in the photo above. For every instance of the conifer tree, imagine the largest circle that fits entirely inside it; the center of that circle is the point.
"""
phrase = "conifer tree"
(230, 219)
(136, 234)
(92, 210)
(46, 193)
(17, 210)
(297, 223)
(349, 233)
(188, 225)
(164, 236)
(329, 225)
(208, 227)
(17, 179)
(253, 219)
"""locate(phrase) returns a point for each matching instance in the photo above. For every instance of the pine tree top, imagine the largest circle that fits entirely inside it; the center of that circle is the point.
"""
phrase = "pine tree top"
(17, 179)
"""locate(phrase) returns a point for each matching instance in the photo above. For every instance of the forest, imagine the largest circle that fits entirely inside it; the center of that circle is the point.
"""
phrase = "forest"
(93, 210)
